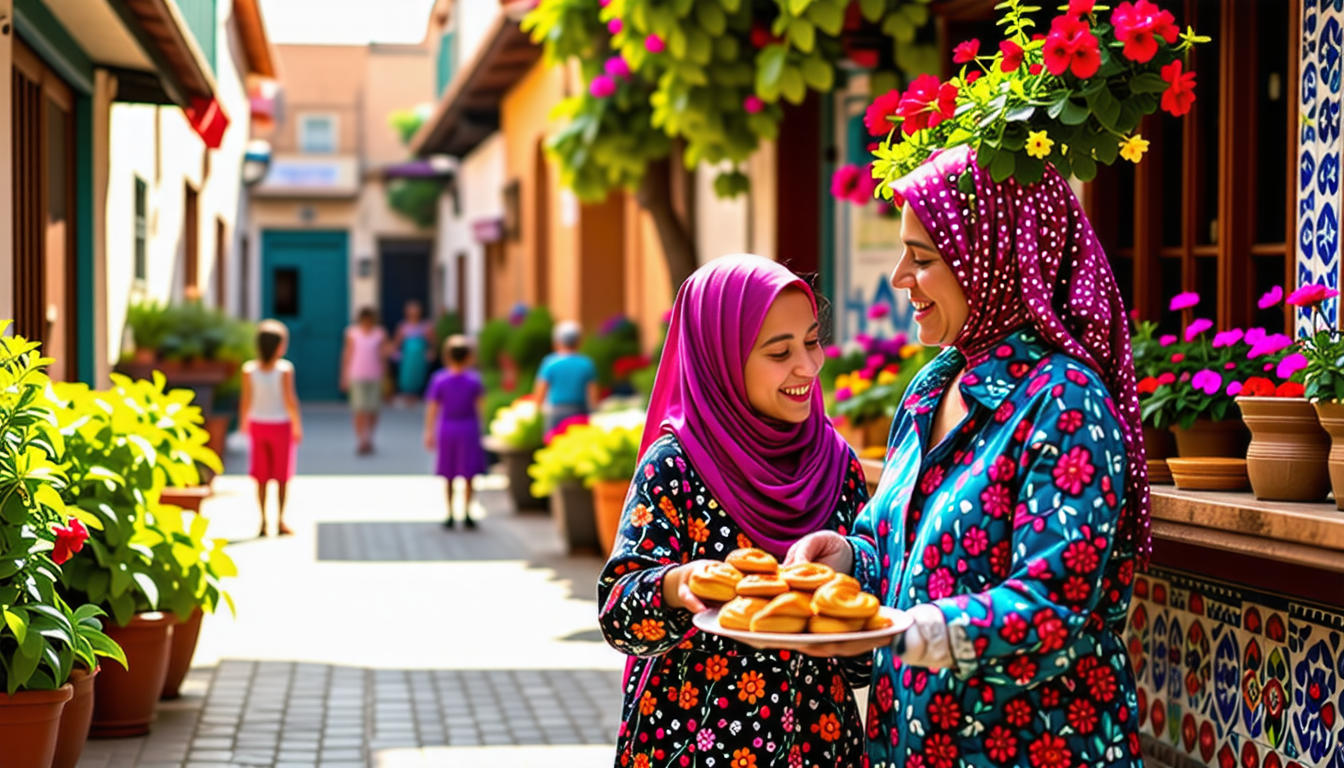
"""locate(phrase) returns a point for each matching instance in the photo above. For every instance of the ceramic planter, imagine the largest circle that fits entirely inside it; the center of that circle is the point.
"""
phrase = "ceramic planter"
(1226, 438)
(1159, 445)
(572, 508)
(75, 720)
(1287, 457)
(29, 724)
(516, 462)
(123, 701)
(1331, 416)
(185, 635)
(608, 505)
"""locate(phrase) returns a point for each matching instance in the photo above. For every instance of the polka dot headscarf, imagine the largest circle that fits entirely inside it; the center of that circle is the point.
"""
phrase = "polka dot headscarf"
(1028, 256)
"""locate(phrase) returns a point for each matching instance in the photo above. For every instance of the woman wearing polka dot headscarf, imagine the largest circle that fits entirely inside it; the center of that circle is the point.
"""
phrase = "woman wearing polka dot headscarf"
(1013, 508)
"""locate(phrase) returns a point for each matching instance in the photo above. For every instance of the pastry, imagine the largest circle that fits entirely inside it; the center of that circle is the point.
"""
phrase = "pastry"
(787, 613)
(877, 621)
(806, 577)
(761, 585)
(829, 625)
(715, 581)
(842, 598)
(738, 613)
(752, 561)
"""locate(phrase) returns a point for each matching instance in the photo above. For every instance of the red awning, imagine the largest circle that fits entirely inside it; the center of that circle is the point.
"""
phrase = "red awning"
(207, 118)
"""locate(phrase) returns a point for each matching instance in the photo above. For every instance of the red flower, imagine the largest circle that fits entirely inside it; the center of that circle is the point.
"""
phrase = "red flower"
(1050, 751)
(1012, 56)
(1258, 386)
(940, 751)
(1074, 470)
(1082, 716)
(1181, 93)
(1001, 744)
(927, 103)
(1290, 389)
(945, 712)
(966, 51)
(69, 540)
(882, 108)
(844, 181)
(1018, 713)
(1139, 25)
(1050, 629)
(971, 77)
(761, 37)
(1034, 69)
(1081, 557)
(1311, 295)
(1080, 7)
(1071, 47)
(1148, 385)
(1014, 629)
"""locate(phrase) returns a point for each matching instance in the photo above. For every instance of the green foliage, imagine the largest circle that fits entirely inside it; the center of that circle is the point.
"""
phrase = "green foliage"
(611, 454)
(150, 323)
(406, 122)
(124, 445)
(195, 331)
(518, 424)
(606, 448)
(697, 88)
(41, 638)
(1324, 350)
(415, 199)
(619, 338)
(531, 340)
(493, 340)
(1086, 121)
(448, 324)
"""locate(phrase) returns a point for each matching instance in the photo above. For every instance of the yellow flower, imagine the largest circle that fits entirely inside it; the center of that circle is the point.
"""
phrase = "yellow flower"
(842, 381)
(910, 350)
(1132, 149)
(873, 452)
(885, 377)
(859, 386)
(1038, 144)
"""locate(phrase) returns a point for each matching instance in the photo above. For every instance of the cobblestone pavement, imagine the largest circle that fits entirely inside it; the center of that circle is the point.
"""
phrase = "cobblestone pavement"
(374, 637)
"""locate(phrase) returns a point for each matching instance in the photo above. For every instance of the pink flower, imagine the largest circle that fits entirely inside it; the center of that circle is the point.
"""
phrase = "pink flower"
(1269, 345)
(1184, 301)
(832, 351)
(1274, 296)
(1139, 25)
(966, 51)
(844, 181)
(1167, 340)
(602, 87)
(1196, 327)
(615, 26)
(928, 103)
(1071, 47)
(1208, 382)
(1012, 56)
(882, 108)
(876, 362)
(842, 394)
(1290, 365)
(878, 311)
(753, 104)
(654, 44)
(1166, 377)
(1074, 470)
(941, 584)
(1254, 335)
(1311, 295)
(1234, 389)
(1227, 338)
(1178, 357)
(616, 66)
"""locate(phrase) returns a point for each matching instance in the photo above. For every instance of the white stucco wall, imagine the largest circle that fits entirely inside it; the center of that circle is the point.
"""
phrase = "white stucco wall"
(721, 226)
(472, 20)
(480, 180)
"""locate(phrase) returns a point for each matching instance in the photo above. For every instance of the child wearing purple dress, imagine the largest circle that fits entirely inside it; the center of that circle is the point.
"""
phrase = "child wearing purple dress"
(453, 424)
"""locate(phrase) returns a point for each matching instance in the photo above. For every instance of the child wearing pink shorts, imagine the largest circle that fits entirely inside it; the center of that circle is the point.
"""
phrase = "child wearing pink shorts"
(270, 417)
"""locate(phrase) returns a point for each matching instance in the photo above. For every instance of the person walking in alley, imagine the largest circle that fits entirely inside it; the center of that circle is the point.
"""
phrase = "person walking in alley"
(363, 366)
(269, 408)
(567, 380)
(453, 423)
(413, 351)
(737, 452)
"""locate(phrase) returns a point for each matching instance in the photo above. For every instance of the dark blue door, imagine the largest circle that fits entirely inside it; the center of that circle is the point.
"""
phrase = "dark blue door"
(305, 285)
(404, 276)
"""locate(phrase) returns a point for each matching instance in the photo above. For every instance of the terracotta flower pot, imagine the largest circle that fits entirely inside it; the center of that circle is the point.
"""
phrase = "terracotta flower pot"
(123, 702)
(572, 508)
(1227, 438)
(185, 635)
(1331, 416)
(608, 505)
(1159, 445)
(29, 723)
(75, 719)
(876, 431)
(1287, 457)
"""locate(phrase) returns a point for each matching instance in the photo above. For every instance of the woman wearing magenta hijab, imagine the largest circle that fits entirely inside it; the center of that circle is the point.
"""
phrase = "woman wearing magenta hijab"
(1013, 507)
(737, 452)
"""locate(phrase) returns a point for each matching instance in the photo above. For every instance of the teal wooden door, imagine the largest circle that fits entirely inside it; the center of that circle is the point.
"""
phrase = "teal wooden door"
(305, 285)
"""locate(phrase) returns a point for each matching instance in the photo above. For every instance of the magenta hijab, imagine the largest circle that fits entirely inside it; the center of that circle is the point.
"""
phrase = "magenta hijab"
(1027, 256)
(778, 481)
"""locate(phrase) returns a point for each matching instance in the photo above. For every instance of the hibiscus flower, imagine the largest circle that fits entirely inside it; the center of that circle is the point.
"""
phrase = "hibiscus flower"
(1012, 56)
(1180, 93)
(928, 102)
(883, 107)
(1071, 47)
(1139, 25)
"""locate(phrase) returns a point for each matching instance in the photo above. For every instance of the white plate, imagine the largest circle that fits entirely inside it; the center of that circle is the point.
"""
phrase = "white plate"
(708, 621)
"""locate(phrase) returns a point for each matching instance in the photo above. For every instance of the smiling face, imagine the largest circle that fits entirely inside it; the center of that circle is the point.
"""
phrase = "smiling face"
(781, 371)
(940, 304)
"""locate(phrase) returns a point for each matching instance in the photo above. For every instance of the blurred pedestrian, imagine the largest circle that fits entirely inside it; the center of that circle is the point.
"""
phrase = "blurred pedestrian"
(363, 367)
(269, 414)
(413, 352)
(453, 423)
(567, 380)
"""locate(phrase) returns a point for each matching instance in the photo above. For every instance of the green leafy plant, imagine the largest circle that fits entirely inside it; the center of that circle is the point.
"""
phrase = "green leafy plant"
(1322, 348)
(611, 454)
(149, 323)
(559, 462)
(617, 339)
(493, 340)
(875, 391)
(518, 424)
(41, 637)
(415, 199)
(190, 567)
(448, 324)
(1072, 99)
(124, 445)
(531, 341)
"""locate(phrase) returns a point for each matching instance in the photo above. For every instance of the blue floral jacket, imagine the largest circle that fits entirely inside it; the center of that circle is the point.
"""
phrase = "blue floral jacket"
(1008, 526)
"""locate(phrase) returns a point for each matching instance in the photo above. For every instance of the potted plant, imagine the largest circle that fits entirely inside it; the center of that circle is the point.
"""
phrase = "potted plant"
(555, 474)
(866, 399)
(43, 642)
(1322, 351)
(607, 465)
(148, 324)
(123, 446)
(515, 436)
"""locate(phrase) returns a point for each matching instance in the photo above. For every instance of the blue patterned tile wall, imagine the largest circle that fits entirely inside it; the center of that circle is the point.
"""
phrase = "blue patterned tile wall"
(1318, 191)
(1234, 677)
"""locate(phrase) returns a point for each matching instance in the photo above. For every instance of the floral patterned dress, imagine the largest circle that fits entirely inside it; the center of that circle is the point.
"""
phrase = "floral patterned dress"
(696, 699)
(1010, 531)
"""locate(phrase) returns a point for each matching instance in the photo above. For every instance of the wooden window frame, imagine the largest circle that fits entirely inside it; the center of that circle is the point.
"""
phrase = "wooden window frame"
(191, 241)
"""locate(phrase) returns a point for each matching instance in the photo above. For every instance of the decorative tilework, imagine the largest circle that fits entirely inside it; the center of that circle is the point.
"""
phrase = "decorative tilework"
(1321, 93)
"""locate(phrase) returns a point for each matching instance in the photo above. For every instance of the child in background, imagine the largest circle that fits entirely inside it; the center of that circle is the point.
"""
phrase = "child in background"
(453, 424)
(363, 367)
(269, 411)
